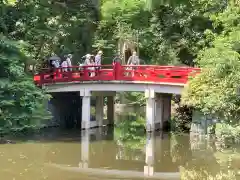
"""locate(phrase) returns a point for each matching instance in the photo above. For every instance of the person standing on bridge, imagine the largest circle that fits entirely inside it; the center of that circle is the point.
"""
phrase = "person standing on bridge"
(117, 58)
(92, 67)
(64, 65)
(133, 61)
(87, 58)
(69, 61)
(98, 61)
(54, 63)
(89, 61)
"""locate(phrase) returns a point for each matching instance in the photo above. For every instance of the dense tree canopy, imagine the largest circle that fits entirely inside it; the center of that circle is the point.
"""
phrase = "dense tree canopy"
(32, 30)
(169, 32)
(50, 26)
(21, 102)
(216, 90)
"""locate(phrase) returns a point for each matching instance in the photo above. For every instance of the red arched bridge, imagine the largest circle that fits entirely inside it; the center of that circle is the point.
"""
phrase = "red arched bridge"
(117, 72)
(157, 82)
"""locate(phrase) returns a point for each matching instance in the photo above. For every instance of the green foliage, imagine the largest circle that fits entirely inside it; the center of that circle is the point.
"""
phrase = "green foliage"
(135, 98)
(122, 21)
(32, 30)
(228, 134)
(182, 118)
(21, 102)
(215, 91)
(201, 158)
(193, 174)
(50, 26)
(166, 32)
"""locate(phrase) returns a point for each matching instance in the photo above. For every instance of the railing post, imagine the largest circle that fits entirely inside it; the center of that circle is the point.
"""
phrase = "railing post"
(41, 82)
(117, 68)
(57, 73)
(85, 73)
(70, 75)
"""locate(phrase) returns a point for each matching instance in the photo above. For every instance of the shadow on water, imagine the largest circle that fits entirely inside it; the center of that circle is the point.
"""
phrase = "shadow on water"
(49, 135)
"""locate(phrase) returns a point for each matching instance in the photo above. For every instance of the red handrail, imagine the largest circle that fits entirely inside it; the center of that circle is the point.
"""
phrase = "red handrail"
(117, 72)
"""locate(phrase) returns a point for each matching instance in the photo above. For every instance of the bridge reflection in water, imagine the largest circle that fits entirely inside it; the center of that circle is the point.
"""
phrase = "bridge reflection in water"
(101, 157)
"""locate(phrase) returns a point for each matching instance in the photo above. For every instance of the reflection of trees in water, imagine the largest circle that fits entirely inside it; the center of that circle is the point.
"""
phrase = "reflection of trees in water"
(180, 149)
(203, 166)
(130, 133)
(130, 137)
(128, 154)
(201, 161)
(198, 158)
(189, 174)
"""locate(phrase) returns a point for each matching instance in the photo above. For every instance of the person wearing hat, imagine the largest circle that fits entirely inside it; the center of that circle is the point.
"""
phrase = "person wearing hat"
(54, 63)
(133, 61)
(87, 58)
(98, 60)
(69, 61)
(89, 61)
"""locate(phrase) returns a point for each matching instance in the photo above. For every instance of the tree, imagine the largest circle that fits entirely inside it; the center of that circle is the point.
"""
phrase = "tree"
(216, 91)
(21, 102)
(31, 30)
(50, 26)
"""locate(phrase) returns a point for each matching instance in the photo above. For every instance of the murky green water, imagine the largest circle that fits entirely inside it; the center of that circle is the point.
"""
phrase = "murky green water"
(101, 154)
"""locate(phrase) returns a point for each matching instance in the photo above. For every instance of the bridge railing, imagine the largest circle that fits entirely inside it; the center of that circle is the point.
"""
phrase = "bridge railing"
(116, 72)
(171, 74)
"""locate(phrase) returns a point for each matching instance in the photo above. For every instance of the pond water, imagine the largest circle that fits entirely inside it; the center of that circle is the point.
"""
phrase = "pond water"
(102, 154)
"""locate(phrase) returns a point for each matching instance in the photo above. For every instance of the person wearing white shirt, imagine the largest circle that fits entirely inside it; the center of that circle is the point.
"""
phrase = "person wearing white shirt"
(98, 58)
(98, 61)
(69, 62)
(64, 66)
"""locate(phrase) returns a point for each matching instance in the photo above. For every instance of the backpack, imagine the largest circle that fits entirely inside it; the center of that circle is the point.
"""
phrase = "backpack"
(134, 60)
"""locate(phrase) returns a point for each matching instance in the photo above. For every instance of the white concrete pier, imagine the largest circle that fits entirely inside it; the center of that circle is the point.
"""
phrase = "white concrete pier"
(158, 110)
(150, 110)
(86, 108)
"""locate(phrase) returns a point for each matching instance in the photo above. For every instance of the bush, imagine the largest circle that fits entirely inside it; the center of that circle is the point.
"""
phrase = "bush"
(228, 133)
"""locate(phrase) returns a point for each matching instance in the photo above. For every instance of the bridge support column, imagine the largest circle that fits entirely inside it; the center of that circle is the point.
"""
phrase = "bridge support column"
(150, 110)
(148, 168)
(99, 110)
(110, 110)
(163, 110)
(86, 107)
